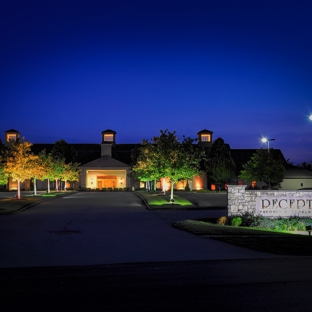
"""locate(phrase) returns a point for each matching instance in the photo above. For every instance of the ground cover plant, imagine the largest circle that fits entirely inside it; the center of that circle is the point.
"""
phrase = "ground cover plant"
(160, 200)
(267, 240)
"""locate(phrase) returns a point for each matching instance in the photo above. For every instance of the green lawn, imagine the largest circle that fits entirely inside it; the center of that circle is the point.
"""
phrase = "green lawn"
(13, 205)
(158, 200)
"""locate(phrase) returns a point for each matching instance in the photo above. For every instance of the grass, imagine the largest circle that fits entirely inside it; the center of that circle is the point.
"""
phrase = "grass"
(158, 200)
(13, 205)
(257, 239)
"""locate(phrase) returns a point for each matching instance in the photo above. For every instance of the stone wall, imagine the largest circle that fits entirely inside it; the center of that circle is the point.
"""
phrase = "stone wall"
(275, 203)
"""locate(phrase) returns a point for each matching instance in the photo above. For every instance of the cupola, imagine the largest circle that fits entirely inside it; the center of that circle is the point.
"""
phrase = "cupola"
(204, 138)
(11, 135)
(108, 141)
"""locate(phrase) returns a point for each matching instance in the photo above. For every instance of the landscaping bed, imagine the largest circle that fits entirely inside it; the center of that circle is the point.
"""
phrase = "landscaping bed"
(159, 200)
(252, 238)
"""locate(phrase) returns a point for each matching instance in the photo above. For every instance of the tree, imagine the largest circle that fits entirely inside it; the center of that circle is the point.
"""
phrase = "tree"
(220, 166)
(18, 162)
(263, 166)
(146, 167)
(307, 166)
(38, 170)
(3, 175)
(70, 173)
(56, 170)
(62, 150)
(167, 157)
(53, 168)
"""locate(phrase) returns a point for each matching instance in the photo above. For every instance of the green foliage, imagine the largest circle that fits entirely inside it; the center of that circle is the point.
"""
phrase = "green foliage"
(274, 224)
(3, 175)
(264, 167)
(62, 150)
(237, 221)
(220, 166)
(166, 157)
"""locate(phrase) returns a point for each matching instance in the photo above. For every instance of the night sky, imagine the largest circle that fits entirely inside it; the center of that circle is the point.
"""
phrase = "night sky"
(242, 69)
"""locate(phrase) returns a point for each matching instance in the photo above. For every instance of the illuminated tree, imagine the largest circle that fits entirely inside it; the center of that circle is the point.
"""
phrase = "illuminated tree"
(147, 167)
(18, 162)
(53, 168)
(46, 160)
(40, 167)
(220, 166)
(167, 157)
(70, 173)
(263, 166)
(3, 176)
(57, 168)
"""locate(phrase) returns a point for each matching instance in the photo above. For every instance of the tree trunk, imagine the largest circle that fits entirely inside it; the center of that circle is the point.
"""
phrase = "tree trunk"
(35, 186)
(18, 189)
(171, 195)
(155, 185)
(56, 184)
(48, 185)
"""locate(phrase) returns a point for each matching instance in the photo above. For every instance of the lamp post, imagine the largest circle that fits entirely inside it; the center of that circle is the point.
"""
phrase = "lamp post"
(265, 140)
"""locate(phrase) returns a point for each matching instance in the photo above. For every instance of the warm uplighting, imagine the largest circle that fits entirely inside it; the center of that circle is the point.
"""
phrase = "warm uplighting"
(213, 187)
(165, 185)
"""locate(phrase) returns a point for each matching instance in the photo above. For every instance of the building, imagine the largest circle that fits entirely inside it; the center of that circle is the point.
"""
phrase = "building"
(108, 165)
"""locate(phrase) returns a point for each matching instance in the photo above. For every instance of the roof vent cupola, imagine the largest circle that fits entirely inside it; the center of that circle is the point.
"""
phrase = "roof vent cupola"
(204, 138)
(11, 135)
(108, 141)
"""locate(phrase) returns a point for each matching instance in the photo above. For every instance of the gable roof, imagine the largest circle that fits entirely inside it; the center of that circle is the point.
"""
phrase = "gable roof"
(105, 162)
(293, 172)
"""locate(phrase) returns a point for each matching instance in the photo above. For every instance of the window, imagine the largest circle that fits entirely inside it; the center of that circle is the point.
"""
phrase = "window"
(11, 137)
(205, 137)
(108, 137)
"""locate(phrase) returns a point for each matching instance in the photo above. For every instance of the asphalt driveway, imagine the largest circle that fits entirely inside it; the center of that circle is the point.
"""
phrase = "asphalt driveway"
(105, 228)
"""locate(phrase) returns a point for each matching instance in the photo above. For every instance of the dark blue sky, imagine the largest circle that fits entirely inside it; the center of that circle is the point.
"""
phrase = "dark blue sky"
(242, 69)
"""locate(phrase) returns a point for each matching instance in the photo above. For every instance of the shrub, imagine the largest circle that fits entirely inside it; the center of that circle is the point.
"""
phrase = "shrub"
(237, 221)
(222, 220)
(109, 189)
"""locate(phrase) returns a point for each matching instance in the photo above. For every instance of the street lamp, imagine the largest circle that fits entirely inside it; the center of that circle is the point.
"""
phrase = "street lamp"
(310, 117)
(265, 140)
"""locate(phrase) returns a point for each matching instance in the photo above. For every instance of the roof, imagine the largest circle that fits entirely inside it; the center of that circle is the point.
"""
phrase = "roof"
(293, 172)
(204, 131)
(12, 130)
(105, 162)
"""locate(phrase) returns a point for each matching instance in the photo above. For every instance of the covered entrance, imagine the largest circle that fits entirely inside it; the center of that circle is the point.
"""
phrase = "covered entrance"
(106, 181)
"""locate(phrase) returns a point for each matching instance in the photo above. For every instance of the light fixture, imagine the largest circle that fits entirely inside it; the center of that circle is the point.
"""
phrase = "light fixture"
(266, 140)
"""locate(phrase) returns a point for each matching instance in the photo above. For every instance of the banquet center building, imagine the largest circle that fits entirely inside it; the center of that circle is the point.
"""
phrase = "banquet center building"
(107, 165)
